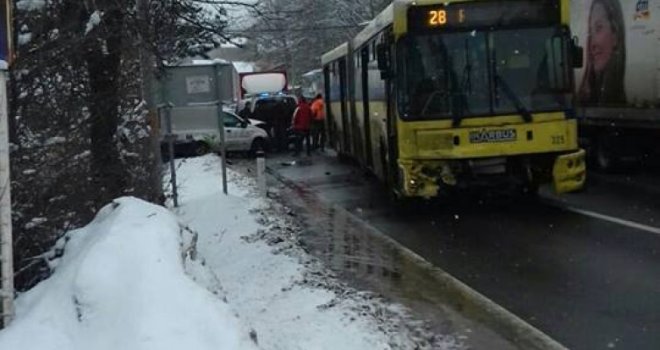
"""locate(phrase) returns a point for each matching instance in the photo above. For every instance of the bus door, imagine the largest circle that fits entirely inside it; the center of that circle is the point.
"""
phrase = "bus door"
(345, 125)
(392, 134)
(364, 75)
(330, 124)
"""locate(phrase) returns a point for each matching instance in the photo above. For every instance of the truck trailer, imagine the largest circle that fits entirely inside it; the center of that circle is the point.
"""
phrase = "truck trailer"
(618, 88)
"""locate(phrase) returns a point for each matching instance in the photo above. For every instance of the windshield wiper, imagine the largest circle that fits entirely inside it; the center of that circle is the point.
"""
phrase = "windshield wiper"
(517, 102)
(467, 71)
(515, 99)
(465, 88)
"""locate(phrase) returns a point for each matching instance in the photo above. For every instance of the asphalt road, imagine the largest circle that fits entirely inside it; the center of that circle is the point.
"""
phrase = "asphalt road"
(583, 268)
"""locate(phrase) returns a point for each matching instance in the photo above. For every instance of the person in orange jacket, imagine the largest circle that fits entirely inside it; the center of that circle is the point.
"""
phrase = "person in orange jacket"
(302, 119)
(318, 123)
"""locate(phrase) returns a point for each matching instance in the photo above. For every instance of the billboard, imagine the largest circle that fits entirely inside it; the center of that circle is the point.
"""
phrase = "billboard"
(6, 52)
(621, 39)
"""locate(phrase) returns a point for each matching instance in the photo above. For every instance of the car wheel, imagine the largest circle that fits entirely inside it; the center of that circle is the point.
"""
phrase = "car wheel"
(202, 148)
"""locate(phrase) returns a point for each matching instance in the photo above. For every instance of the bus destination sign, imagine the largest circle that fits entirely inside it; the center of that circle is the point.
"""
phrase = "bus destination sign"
(483, 14)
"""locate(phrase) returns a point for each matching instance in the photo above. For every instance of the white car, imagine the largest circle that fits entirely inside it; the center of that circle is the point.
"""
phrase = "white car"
(196, 131)
(242, 135)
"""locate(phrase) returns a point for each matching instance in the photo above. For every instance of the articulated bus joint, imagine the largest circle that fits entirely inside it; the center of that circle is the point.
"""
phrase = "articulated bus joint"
(569, 172)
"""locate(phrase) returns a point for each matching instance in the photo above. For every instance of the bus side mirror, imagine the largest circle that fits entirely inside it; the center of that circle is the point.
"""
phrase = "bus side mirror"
(558, 69)
(383, 58)
(577, 54)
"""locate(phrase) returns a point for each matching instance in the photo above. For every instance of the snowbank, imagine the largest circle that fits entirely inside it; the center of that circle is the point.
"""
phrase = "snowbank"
(259, 285)
(30, 5)
(121, 285)
(270, 286)
(124, 282)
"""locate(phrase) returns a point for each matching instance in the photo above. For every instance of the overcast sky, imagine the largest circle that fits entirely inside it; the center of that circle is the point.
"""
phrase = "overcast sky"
(239, 18)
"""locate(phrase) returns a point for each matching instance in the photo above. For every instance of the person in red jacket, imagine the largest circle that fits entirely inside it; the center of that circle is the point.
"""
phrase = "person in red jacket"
(302, 119)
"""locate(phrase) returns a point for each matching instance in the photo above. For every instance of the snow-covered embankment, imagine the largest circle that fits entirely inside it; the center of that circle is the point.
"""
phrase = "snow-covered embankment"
(121, 285)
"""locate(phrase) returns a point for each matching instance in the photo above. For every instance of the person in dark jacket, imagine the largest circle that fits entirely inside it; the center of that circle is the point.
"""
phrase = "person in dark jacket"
(246, 112)
(302, 119)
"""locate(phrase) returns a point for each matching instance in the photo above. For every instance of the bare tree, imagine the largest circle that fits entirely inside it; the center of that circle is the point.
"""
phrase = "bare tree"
(102, 21)
(80, 130)
(296, 34)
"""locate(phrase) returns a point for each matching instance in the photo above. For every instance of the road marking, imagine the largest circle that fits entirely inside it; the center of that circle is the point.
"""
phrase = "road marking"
(615, 220)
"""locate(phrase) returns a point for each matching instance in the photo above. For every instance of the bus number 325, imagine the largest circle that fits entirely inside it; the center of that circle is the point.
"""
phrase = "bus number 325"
(558, 140)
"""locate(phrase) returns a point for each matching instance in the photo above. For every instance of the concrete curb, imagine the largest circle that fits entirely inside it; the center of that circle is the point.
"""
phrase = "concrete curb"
(471, 303)
(458, 295)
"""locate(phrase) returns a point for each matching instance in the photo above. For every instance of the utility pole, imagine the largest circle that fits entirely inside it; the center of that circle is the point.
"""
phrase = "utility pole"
(147, 64)
(6, 238)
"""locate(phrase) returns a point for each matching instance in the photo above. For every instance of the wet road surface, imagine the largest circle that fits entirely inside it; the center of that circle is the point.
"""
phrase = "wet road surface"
(358, 253)
(587, 282)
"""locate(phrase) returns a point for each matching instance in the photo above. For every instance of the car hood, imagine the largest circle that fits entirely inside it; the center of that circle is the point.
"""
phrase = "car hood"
(256, 122)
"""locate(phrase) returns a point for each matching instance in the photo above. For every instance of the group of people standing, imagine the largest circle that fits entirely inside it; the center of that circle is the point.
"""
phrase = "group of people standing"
(309, 125)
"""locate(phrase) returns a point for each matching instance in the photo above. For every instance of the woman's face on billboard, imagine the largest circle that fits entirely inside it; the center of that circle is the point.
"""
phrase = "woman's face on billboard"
(602, 37)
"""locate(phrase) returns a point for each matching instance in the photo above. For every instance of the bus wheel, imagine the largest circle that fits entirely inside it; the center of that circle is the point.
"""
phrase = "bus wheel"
(529, 181)
(384, 166)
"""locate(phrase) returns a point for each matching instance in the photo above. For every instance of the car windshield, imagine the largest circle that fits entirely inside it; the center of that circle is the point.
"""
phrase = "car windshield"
(231, 120)
(478, 73)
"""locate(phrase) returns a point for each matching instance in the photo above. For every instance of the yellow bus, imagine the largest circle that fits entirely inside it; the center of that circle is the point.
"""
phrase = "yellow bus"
(438, 95)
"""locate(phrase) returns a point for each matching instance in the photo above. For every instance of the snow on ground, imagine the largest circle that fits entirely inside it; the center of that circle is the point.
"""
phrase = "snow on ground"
(227, 273)
(30, 5)
(121, 285)
(286, 297)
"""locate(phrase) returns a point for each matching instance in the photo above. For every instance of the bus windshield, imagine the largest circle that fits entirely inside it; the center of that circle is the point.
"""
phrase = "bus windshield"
(481, 73)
